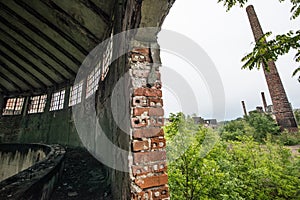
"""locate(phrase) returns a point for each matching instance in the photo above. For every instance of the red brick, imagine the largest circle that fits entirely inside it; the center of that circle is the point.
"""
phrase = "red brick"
(152, 181)
(143, 51)
(160, 193)
(138, 170)
(153, 92)
(155, 102)
(143, 195)
(140, 101)
(156, 112)
(140, 55)
(157, 143)
(148, 132)
(149, 92)
(140, 145)
(140, 111)
(156, 121)
(146, 157)
(138, 122)
(139, 92)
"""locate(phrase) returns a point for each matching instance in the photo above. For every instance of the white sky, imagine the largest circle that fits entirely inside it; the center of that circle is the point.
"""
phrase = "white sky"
(226, 37)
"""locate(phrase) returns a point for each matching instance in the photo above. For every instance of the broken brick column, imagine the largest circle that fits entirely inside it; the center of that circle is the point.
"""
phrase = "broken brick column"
(282, 108)
(148, 163)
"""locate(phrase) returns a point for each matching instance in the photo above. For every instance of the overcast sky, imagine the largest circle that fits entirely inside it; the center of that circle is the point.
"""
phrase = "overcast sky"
(226, 37)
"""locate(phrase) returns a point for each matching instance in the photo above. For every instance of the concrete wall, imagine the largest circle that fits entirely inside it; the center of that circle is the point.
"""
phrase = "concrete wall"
(12, 163)
(49, 127)
(37, 181)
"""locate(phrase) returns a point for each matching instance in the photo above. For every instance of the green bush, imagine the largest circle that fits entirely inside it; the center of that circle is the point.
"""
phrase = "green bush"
(263, 124)
(256, 124)
(286, 138)
(234, 129)
(201, 166)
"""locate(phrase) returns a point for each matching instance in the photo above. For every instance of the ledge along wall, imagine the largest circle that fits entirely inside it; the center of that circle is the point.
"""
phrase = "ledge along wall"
(12, 162)
(40, 178)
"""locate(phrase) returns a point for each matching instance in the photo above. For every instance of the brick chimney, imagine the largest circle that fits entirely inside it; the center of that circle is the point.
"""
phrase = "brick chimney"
(282, 108)
(244, 108)
(264, 101)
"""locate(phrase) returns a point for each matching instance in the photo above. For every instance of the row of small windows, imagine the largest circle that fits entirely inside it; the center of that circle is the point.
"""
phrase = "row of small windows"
(13, 106)
(37, 104)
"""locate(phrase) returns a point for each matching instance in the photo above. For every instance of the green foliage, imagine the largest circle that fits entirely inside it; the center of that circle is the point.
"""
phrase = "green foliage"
(263, 124)
(234, 129)
(264, 51)
(297, 116)
(286, 138)
(256, 125)
(295, 10)
(200, 166)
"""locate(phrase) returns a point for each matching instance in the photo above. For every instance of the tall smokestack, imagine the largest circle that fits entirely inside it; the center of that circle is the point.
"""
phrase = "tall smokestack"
(282, 109)
(244, 108)
(264, 101)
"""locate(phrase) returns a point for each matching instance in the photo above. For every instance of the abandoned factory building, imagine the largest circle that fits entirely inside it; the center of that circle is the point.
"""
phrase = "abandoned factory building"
(86, 73)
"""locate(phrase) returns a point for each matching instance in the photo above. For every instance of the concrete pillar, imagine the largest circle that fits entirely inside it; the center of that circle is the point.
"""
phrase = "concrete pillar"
(48, 101)
(244, 108)
(282, 109)
(67, 96)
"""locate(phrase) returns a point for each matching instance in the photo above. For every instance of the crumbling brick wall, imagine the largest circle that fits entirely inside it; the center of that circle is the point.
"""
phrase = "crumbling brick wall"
(148, 173)
(144, 174)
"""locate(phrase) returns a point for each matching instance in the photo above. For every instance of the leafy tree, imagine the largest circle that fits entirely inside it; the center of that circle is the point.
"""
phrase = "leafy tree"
(263, 124)
(232, 170)
(236, 128)
(256, 125)
(265, 51)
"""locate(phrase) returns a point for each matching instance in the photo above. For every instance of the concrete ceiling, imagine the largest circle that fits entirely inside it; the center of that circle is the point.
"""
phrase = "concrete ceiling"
(43, 42)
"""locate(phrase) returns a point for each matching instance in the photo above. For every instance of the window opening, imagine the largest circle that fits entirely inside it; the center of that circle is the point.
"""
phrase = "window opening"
(13, 106)
(92, 81)
(37, 104)
(107, 57)
(75, 94)
(57, 100)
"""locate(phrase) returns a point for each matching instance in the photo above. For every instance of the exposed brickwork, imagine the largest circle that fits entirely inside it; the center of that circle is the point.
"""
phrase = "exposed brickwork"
(149, 177)
(149, 168)
(151, 181)
(148, 157)
(160, 193)
(282, 108)
(148, 132)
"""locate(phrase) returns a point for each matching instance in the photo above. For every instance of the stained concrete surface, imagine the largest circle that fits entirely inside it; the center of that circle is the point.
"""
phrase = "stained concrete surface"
(83, 178)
